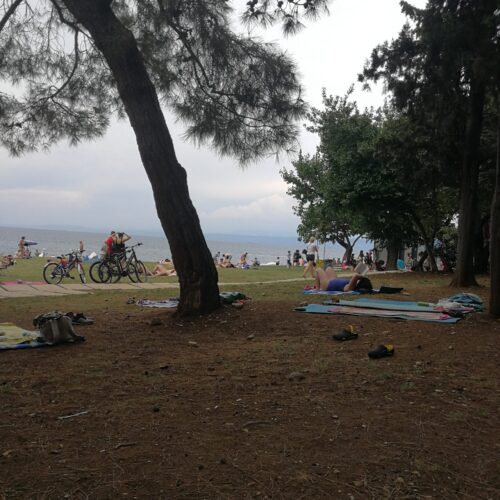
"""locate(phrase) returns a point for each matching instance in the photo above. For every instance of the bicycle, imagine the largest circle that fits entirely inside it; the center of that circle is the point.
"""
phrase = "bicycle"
(54, 272)
(118, 265)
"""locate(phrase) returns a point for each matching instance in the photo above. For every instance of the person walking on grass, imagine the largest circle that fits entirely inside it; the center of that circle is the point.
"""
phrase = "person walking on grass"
(311, 254)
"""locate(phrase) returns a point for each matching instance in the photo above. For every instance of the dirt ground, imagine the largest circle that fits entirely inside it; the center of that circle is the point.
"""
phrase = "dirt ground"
(206, 408)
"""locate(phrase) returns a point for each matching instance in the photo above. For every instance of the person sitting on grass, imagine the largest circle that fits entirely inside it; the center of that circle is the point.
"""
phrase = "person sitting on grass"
(6, 261)
(328, 280)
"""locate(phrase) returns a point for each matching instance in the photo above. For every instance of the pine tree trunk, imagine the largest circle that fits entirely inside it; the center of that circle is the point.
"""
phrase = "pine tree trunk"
(495, 240)
(464, 272)
(195, 268)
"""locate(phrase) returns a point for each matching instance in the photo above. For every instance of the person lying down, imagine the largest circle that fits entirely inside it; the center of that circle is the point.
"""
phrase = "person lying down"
(160, 270)
(328, 280)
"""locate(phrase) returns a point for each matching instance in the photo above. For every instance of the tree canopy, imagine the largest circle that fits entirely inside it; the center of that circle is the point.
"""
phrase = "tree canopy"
(372, 175)
(233, 91)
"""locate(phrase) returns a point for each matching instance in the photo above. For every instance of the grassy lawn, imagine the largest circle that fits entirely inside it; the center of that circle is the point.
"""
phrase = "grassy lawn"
(31, 270)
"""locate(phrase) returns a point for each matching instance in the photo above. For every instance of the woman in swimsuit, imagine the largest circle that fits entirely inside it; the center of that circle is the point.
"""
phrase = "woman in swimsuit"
(327, 280)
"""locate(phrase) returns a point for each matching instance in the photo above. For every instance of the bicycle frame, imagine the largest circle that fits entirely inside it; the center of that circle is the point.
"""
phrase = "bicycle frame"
(120, 264)
(55, 271)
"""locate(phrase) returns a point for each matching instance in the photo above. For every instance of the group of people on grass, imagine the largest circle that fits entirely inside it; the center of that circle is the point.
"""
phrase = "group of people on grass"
(225, 261)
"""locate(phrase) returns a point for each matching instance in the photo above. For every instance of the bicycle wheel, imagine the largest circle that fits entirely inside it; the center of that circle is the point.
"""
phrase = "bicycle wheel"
(141, 272)
(94, 272)
(132, 272)
(81, 272)
(109, 272)
(53, 273)
(104, 272)
(116, 271)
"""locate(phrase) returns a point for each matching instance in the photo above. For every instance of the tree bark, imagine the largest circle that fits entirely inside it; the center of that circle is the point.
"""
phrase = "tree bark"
(495, 239)
(464, 272)
(195, 268)
(428, 242)
(393, 248)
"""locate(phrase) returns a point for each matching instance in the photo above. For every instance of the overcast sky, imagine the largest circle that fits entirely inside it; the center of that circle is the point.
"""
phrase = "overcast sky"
(103, 184)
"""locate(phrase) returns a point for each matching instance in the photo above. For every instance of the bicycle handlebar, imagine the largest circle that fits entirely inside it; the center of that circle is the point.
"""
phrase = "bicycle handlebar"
(127, 249)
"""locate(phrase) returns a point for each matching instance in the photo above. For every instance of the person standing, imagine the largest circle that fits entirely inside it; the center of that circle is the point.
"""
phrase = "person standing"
(289, 259)
(21, 248)
(118, 245)
(108, 243)
(311, 255)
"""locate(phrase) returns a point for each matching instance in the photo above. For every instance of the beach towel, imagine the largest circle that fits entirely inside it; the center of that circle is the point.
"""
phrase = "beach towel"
(469, 299)
(167, 303)
(405, 305)
(382, 289)
(434, 317)
(314, 291)
(14, 337)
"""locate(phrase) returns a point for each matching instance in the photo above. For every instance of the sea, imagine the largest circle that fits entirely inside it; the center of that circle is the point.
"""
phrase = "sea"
(266, 249)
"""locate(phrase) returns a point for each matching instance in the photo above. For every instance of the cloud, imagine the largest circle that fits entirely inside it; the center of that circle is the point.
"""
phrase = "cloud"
(104, 182)
(272, 215)
(40, 196)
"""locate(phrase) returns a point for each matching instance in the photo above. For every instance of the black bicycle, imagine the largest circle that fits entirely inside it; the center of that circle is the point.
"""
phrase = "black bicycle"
(54, 272)
(119, 265)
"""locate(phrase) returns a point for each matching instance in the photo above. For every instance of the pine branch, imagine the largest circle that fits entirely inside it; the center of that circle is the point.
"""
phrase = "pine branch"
(9, 13)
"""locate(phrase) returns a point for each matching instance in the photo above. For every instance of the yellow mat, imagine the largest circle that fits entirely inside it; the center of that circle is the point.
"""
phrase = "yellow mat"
(14, 337)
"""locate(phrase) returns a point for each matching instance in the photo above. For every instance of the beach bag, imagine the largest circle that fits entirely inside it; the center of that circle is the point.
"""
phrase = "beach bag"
(56, 328)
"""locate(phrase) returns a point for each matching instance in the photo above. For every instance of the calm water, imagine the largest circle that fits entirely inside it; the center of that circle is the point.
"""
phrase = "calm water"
(155, 248)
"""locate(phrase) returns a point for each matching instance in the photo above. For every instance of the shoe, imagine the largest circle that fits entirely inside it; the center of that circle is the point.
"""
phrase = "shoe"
(346, 334)
(79, 319)
(382, 351)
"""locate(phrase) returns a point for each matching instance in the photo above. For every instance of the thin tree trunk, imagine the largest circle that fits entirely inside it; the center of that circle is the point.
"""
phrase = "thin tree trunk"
(393, 248)
(464, 272)
(495, 239)
(428, 242)
(198, 278)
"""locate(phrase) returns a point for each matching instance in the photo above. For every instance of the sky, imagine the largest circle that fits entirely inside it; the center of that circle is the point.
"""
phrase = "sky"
(102, 184)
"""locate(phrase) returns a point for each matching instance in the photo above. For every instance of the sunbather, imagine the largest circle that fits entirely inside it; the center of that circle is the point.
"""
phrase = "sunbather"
(6, 261)
(328, 280)
(160, 270)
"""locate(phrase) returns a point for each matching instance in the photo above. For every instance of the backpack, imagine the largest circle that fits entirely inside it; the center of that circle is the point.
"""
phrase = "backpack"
(56, 328)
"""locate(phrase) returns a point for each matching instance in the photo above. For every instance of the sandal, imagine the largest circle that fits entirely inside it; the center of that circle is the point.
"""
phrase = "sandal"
(382, 351)
(80, 319)
(345, 334)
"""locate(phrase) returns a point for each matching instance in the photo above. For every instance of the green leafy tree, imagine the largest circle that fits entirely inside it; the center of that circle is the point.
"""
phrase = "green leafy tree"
(77, 62)
(321, 212)
(373, 175)
(439, 71)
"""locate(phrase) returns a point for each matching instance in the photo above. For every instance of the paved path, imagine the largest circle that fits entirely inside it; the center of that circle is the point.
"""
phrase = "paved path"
(32, 290)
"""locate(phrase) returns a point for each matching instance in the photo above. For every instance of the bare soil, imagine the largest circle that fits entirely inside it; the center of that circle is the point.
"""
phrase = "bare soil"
(207, 408)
